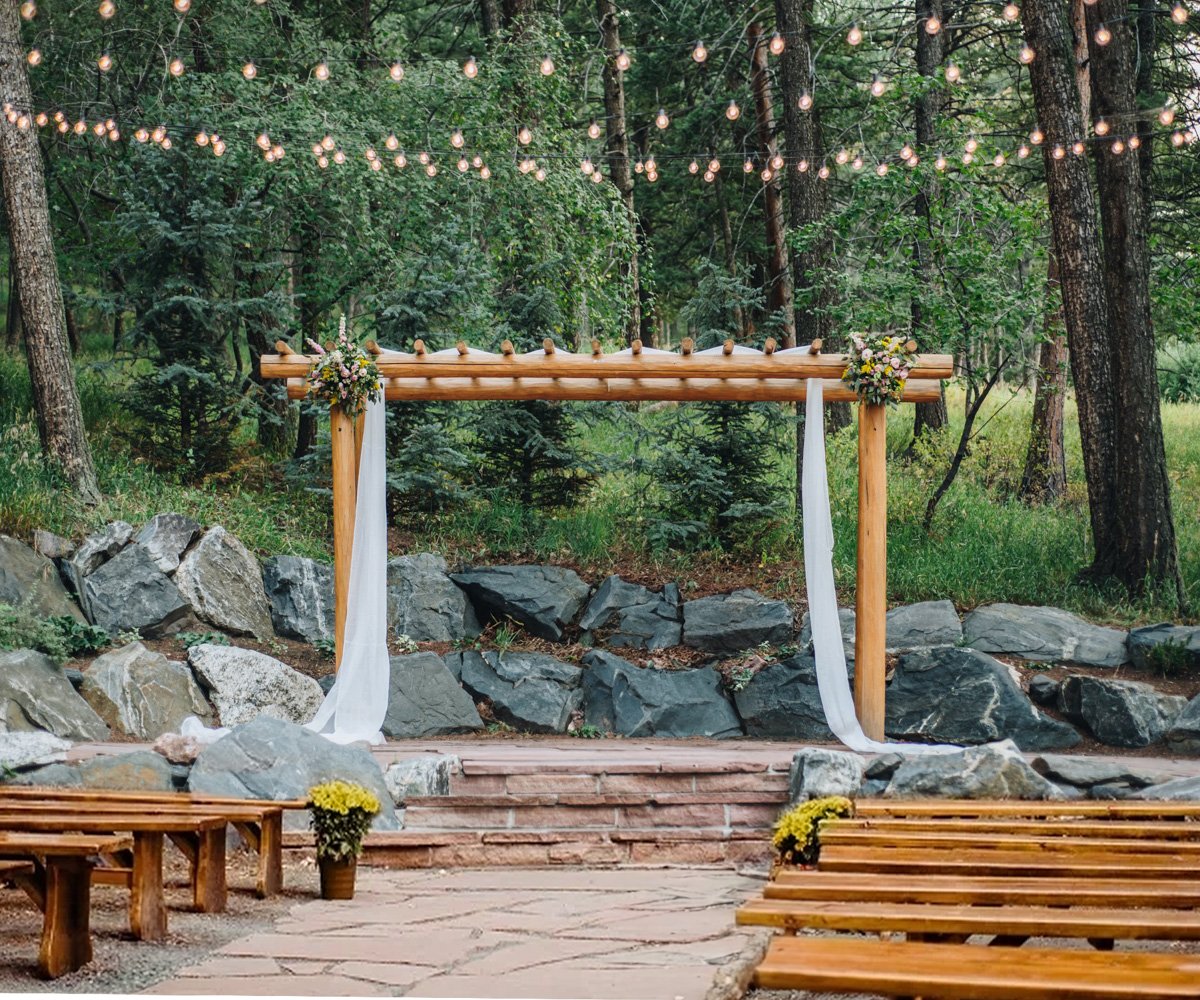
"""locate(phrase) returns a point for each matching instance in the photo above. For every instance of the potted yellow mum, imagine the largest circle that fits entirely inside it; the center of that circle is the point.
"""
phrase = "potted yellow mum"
(340, 815)
(797, 831)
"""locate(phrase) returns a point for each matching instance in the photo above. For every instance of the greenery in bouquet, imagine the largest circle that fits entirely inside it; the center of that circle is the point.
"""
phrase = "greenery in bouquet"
(797, 830)
(879, 367)
(344, 374)
(340, 815)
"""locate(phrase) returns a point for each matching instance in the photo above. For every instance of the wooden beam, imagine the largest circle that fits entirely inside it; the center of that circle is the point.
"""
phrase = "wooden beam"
(341, 428)
(781, 390)
(871, 603)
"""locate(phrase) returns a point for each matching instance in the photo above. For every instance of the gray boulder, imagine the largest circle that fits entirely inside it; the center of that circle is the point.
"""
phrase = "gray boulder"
(129, 592)
(94, 551)
(613, 595)
(428, 774)
(1087, 772)
(424, 699)
(52, 546)
(326, 681)
(629, 700)
(244, 684)
(424, 603)
(1176, 790)
(643, 619)
(167, 537)
(29, 581)
(531, 691)
(817, 772)
(953, 695)
(272, 759)
(143, 694)
(1043, 690)
(1045, 635)
(22, 750)
(1150, 646)
(1184, 734)
(139, 771)
(51, 776)
(848, 623)
(730, 623)
(1119, 713)
(930, 623)
(541, 599)
(782, 702)
(995, 771)
(223, 583)
(35, 694)
(301, 594)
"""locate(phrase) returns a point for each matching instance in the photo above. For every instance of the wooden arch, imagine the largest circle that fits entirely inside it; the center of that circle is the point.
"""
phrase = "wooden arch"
(729, 372)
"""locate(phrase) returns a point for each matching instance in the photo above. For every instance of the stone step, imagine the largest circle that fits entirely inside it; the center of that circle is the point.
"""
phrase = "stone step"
(485, 781)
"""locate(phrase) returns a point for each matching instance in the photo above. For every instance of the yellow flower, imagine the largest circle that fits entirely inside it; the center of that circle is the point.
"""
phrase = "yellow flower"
(341, 797)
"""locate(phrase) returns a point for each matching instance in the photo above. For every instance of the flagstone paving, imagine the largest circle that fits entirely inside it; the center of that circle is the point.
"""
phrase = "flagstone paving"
(548, 934)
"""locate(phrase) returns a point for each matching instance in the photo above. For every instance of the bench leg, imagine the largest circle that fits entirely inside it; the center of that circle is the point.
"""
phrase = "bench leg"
(66, 932)
(270, 856)
(208, 874)
(147, 907)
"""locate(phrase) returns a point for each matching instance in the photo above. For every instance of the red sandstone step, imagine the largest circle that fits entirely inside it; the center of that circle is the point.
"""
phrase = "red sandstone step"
(488, 781)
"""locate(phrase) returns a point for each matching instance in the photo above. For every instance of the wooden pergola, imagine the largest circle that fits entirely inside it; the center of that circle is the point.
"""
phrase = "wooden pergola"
(729, 372)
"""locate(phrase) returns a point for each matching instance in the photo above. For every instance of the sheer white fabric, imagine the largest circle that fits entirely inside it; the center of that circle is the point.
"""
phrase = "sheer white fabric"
(357, 703)
(832, 679)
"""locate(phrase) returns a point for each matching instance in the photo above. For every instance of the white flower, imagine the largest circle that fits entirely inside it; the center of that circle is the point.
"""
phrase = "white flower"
(867, 354)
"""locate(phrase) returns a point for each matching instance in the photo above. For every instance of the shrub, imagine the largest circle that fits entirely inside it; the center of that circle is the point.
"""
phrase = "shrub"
(21, 630)
(190, 639)
(797, 830)
(1179, 373)
(79, 638)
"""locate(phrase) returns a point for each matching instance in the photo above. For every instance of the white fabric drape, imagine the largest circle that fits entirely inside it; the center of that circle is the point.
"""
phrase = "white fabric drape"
(832, 679)
(357, 703)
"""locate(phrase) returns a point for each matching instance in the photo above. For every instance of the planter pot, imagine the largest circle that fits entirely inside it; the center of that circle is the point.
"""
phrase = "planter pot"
(337, 877)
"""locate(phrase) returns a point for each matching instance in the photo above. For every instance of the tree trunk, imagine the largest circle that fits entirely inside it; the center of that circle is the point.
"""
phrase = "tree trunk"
(55, 396)
(1081, 268)
(744, 328)
(616, 149)
(489, 16)
(307, 263)
(1045, 477)
(779, 278)
(1143, 543)
(12, 319)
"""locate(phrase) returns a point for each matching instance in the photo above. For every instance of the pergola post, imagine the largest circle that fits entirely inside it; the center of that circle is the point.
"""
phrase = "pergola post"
(870, 640)
(345, 484)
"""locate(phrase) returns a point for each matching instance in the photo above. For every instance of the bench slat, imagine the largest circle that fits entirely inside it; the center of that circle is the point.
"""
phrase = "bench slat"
(1123, 809)
(43, 793)
(997, 862)
(985, 841)
(105, 822)
(1133, 829)
(20, 845)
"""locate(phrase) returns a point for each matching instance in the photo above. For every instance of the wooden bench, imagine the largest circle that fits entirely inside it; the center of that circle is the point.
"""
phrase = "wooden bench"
(259, 821)
(835, 834)
(60, 884)
(1081, 864)
(1008, 808)
(918, 969)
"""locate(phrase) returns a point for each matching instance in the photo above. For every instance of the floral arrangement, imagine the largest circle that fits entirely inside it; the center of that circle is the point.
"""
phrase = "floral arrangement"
(340, 815)
(796, 831)
(879, 367)
(344, 375)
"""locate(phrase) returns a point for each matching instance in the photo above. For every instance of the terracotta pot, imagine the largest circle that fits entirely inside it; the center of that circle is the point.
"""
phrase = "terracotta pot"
(337, 877)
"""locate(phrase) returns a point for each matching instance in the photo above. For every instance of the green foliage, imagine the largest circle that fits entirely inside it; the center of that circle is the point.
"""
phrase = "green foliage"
(587, 732)
(326, 646)
(1179, 372)
(1171, 659)
(190, 639)
(797, 831)
(60, 637)
(80, 638)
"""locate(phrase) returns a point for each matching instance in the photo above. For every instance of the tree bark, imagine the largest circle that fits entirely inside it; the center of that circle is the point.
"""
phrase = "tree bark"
(1045, 477)
(779, 279)
(616, 149)
(1081, 268)
(55, 396)
(489, 15)
(305, 271)
(12, 317)
(1143, 543)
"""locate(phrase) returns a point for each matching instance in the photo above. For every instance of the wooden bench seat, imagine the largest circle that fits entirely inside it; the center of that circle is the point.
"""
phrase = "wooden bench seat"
(1106, 828)
(1001, 862)
(1122, 809)
(984, 890)
(61, 886)
(834, 834)
(949, 972)
(959, 921)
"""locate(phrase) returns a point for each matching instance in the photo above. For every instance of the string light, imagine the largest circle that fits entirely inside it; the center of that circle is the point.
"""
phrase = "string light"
(1010, 12)
(776, 162)
(1101, 127)
(651, 165)
(623, 60)
(1118, 147)
(339, 157)
(1037, 136)
(854, 36)
(699, 53)
(858, 163)
(1026, 55)
(141, 135)
(805, 101)
(1179, 14)
(999, 160)
(906, 152)
(953, 73)
(597, 177)
(693, 167)
(777, 44)
(249, 71)
(104, 63)
(968, 158)
(882, 170)
(456, 139)
(733, 112)
(327, 144)
(802, 167)
(913, 160)
(714, 165)
(463, 165)
(106, 9)
(321, 71)
(42, 119)
(709, 176)
(477, 161)
(823, 173)
(1134, 142)
(940, 163)
(1023, 152)
(323, 162)
(396, 72)
(485, 172)
(263, 141)
(547, 66)
(524, 136)
(423, 158)
(767, 174)
(34, 58)
(661, 119)
(1058, 152)
(166, 143)
(1177, 139)
(1166, 116)
(878, 87)
(470, 68)
(176, 68)
(587, 166)
(972, 145)
(748, 167)
(29, 10)
(1078, 148)
(183, 6)
(639, 167)
(1103, 35)
(401, 161)
(391, 142)
(594, 130)
(932, 25)
(79, 127)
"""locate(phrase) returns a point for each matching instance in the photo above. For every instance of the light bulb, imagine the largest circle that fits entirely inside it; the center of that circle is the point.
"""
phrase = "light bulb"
(485, 172)
(767, 174)
(423, 158)
(699, 53)
(972, 145)
(29, 10)
(183, 6)
(1179, 14)
(733, 112)
(107, 9)
(968, 158)
(597, 177)
(1101, 127)
(401, 161)
(269, 156)
(776, 162)
(1177, 139)
(639, 167)
(524, 136)
(854, 36)
(998, 160)
(913, 160)
(176, 67)
(661, 119)
(878, 87)
(932, 25)
(376, 165)
(587, 166)
(477, 161)
(159, 134)
(42, 119)
(1023, 152)
(953, 73)
(1166, 116)
(906, 151)
(1103, 35)
(525, 165)
(940, 162)
(1026, 55)
(114, 135)
(623, 60)
(202, 138)
(805, 101)
(34, 57)
(323, 162)
(263, 141)
(79, 127)
(142, 135)
(651, 176)
(218, 148)
(540, 174)
(1135, 141)
(693, 167)
(547, 66)
(370, 153)
(1037, 136)
(714, 164)
(651, 165)
(823, 173)
(802, 167)
(857, 164)
(104, 63)
(882, 170)
(249, 71)
(1078, 148)
(316, 149)
(166, 143)
(321, 71)
(842, 156)
(64, 127)
(431, 170)
(748, 167)
(339, 157)
(23, 123)
(776, 45)
(327, 143)
(709, 176)
(396, 72)
(1118, 147)
(470, 68)
(1010, 12)
(1058, 152)
(456, 139)
(463, 165)
(594, 131)
(391, 142)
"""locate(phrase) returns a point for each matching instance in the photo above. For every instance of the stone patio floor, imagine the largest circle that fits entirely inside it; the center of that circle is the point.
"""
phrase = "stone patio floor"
(591, 934)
